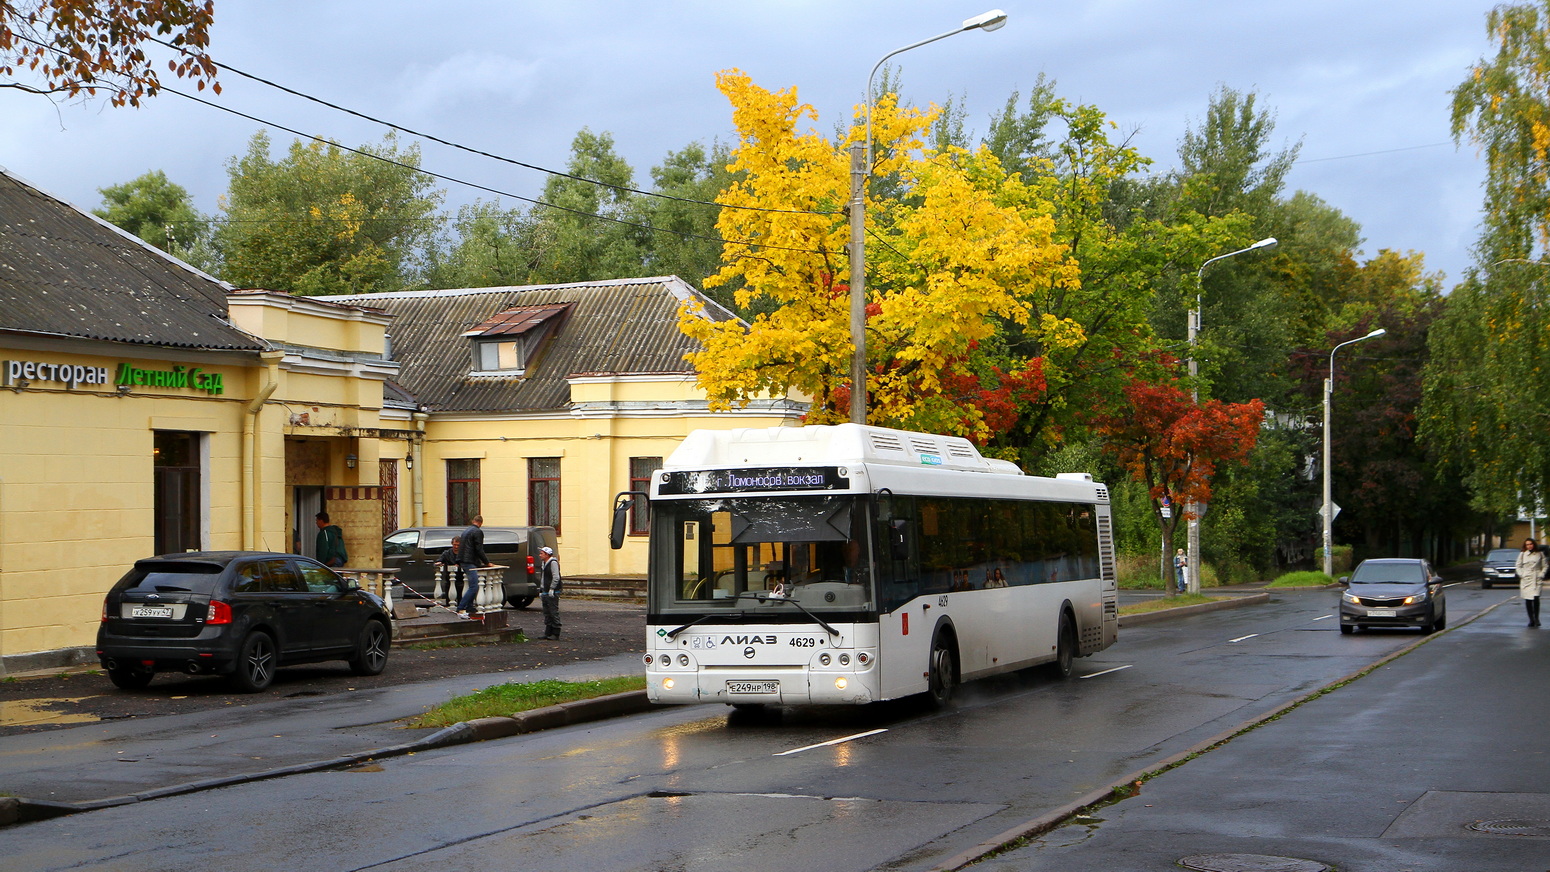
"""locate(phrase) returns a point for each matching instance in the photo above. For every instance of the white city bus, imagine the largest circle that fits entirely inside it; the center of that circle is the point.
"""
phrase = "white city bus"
(850, 564)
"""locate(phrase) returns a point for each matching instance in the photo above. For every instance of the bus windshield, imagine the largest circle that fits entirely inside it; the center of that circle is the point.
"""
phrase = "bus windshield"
(811, 550)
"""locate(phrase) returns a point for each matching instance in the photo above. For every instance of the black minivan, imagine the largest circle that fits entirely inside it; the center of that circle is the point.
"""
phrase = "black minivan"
(413, 553)
(239, 614)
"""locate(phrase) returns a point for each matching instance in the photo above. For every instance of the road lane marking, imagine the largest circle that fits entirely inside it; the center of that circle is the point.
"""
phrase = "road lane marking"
(1107, 671)
(831, 742)
(1241, 638)
(1323, 617)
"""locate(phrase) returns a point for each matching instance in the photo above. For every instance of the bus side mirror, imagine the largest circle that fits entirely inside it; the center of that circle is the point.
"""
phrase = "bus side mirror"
(622, 505)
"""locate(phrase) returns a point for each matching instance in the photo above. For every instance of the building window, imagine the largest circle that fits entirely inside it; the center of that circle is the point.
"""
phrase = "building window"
(388, 478)
(462, 492)
(543, 492)
(641, 469)
(178, 459)
(502, 356)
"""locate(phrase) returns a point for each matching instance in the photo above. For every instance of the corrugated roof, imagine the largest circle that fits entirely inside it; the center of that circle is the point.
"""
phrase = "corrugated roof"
(66, 272)
(613, 327)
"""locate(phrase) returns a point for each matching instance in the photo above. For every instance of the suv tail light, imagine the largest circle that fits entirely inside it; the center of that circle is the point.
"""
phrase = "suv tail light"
(104, 610)
(532, 568)
(219, 613)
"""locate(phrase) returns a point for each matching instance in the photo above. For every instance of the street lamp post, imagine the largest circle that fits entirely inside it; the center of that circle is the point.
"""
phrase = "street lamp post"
(1192, 511)
(860, 167)
(1328, 510)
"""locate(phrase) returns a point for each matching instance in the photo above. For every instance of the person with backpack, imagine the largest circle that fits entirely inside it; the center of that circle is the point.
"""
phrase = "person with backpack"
(549, 591)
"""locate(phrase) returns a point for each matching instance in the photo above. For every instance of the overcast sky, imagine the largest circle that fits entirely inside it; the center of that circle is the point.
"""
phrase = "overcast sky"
(1362, 85)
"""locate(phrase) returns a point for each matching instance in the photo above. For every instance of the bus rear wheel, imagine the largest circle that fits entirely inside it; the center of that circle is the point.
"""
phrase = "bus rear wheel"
(1065, 649)
(942, 674)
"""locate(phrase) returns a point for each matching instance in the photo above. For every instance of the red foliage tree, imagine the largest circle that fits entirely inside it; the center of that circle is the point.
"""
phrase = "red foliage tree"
(1174, 444)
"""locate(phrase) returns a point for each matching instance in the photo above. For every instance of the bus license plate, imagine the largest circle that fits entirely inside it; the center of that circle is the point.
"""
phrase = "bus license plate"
(1380, 613)
(753, 687)
(151, 612)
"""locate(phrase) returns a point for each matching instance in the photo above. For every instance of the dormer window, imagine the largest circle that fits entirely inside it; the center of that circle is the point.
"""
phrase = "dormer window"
(508, 342)
(499, 356)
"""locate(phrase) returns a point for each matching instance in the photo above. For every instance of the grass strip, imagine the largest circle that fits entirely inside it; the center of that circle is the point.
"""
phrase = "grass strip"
(508, 699)
(1167, 602)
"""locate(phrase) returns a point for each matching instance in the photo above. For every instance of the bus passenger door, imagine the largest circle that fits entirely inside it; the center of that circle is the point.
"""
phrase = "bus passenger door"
(905, 620)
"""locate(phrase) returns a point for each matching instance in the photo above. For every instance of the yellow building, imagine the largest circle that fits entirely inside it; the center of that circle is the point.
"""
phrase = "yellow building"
(148, 408)
(540, 403)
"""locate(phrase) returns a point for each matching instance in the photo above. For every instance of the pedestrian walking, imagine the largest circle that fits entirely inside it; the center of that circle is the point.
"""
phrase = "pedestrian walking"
(330, 542)
(1179, 562)
(1531, 572)
(471, 557)
(549, 591)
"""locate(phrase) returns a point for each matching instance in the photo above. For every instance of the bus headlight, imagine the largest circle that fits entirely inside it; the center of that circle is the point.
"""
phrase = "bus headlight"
(823, 659)
(666, 660)
(844, 659)
(667, 684)
(841, 683)
(683, 659)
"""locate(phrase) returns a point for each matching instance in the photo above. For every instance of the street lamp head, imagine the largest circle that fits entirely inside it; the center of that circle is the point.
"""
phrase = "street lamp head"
(1267, 242)
(1375, 334)
(995, 19)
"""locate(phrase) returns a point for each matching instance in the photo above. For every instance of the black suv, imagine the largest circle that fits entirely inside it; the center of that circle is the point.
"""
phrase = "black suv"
(414, 551)
(240, 614)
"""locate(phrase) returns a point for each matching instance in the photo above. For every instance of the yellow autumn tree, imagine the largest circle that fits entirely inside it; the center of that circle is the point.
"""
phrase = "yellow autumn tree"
(956, 247)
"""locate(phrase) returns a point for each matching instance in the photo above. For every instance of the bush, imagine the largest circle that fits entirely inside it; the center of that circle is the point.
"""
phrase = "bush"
(1342, 555)
(1135, 572)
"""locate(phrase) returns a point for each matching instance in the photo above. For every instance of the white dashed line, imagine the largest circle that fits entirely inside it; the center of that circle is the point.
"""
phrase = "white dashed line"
(1107, 671)
(1323, 617)
(831, 742)
(1241, 638)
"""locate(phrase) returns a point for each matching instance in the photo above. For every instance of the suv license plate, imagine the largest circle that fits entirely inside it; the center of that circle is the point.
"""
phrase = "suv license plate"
(151, 612)
(1380, 613)
(753, 687)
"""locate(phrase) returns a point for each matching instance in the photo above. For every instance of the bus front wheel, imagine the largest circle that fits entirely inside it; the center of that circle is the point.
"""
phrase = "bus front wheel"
(942, 675)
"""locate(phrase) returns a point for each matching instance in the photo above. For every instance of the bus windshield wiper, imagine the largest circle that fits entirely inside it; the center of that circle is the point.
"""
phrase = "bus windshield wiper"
(698, 620)
(767, 597)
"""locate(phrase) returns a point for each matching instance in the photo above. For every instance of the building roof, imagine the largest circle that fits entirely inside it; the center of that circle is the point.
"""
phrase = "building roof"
(65, 272)
(622, 326)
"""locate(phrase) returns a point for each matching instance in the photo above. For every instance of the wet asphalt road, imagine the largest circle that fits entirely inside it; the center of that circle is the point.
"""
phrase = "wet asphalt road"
(693, 789)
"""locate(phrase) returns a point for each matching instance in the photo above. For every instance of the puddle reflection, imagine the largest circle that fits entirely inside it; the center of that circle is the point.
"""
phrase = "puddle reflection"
(22, 712)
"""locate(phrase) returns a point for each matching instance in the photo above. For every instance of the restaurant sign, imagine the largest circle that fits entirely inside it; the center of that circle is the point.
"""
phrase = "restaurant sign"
(21, 373)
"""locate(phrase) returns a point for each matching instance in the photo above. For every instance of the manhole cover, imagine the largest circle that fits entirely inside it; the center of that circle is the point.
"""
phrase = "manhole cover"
(1250, 863)
(1512, 828)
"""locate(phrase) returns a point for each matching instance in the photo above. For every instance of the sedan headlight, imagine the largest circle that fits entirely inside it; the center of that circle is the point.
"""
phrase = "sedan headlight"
(1414, 598)
(1350, 597)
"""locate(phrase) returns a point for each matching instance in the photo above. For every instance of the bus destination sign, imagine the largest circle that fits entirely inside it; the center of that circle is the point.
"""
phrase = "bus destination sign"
(747, 481)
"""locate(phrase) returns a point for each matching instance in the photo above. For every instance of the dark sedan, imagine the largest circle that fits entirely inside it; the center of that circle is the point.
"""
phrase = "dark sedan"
(1499, 567)
(237, 613)
(1393, 592)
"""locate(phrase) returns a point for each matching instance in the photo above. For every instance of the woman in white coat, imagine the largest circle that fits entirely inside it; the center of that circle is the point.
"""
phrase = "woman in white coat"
(1531, 570)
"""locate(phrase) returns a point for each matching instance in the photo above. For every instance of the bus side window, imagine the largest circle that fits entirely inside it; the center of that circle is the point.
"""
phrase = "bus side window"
(898, 539)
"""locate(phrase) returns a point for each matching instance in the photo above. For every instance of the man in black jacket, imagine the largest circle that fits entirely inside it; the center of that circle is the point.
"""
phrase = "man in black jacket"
(471, 556)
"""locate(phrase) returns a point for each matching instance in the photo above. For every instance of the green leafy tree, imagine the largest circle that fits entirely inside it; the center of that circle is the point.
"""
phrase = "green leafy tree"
(579, 235)
(324, 220)
(160, 212)
(492, 247)
(1487, 391)
(685, 242)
